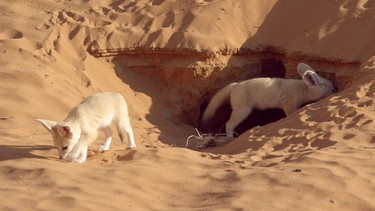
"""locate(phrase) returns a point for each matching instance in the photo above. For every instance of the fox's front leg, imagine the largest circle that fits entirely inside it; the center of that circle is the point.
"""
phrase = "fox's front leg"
(79, 151)
(81, 157)
(78, 154)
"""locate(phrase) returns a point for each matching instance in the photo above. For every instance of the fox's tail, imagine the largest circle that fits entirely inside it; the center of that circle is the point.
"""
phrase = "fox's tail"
(216, 101)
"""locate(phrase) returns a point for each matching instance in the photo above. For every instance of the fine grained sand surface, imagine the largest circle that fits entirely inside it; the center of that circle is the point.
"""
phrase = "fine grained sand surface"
(54, 53)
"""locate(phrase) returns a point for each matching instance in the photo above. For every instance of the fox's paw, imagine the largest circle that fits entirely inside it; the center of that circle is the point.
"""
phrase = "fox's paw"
(132, 147)
(102, 148)
(79, 160)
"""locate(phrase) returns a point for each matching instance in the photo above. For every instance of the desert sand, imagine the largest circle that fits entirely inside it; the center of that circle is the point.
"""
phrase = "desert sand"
(167, 58)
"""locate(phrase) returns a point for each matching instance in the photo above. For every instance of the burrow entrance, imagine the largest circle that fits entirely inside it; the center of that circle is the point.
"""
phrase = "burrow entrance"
(191, 78)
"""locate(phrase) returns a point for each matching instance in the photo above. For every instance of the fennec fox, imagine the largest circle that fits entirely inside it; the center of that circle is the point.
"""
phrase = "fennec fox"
(80, 128)
(264, 93)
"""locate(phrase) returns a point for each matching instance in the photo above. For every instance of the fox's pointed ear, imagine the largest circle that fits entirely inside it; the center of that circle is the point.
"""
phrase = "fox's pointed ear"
(64, 130)
(311, 79)
(302, 68)
(48, 124)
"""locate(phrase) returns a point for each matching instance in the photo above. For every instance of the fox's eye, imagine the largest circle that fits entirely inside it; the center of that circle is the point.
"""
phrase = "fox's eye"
(64, 148)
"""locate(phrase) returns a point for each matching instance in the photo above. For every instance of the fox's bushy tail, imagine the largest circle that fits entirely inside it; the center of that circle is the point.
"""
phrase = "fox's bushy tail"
(217, 100)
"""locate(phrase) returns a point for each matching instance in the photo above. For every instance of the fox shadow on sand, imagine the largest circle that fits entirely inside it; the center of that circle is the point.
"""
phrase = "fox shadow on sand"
(9, 152)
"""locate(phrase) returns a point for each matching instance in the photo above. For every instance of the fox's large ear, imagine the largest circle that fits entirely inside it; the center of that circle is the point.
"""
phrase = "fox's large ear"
(48, 124)
(311, 79)
(302, 68)
(64, 130)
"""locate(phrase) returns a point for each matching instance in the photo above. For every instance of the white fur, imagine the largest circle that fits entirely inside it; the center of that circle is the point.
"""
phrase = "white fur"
(81, 126)
(265, 93)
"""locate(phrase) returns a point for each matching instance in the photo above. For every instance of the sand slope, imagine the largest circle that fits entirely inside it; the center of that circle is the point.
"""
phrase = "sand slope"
(322, 157)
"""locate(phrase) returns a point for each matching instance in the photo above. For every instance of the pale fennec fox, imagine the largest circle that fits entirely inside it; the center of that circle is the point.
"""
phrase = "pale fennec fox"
(266, 93)
(80, 128)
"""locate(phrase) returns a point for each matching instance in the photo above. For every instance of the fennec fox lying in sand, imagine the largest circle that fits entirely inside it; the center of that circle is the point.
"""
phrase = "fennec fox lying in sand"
(264, 93)
(73, 135)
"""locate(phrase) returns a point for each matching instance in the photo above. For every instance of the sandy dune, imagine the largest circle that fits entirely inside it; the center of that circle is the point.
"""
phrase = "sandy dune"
(167, 58)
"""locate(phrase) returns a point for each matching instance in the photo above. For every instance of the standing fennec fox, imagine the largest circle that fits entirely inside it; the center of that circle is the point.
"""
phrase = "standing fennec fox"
(80, 128)
(265, 93)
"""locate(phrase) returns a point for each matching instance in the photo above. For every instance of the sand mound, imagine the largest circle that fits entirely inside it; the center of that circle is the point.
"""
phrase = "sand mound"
(168, 58)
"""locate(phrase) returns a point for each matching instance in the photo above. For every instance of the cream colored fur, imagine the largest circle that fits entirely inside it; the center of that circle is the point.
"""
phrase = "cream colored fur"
(264, 93)
(80, 128)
